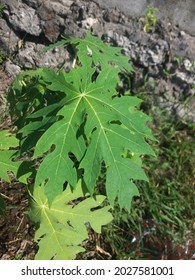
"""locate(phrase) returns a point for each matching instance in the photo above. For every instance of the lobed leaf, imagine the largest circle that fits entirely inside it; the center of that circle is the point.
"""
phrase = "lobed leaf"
(94, 105)
(101, 54)
(63, 226)
(88, 125)
(22, 170)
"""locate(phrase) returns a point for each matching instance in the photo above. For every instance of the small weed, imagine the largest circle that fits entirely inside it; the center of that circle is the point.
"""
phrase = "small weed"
(178, 60)
(150, 19)
(2, 56)
(17, 257)
(2, 6)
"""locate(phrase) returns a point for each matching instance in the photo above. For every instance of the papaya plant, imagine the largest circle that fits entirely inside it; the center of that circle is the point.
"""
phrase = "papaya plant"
(68, 126)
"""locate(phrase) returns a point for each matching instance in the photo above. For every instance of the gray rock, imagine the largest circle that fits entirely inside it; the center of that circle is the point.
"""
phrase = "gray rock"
(183, 44)
(185, 77)
(12, 69)
(25, 19)
(11, 3)
(60, 7)
(31, 56)
(177, 93)
(8, 38)
(33, 3)
(52, 15)
(141, 52)
(88, 23)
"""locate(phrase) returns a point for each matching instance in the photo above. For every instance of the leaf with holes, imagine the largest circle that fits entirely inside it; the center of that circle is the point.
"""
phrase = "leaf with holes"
(63, 226)
(95, 127)
(89, 125)
(7, 164)
(101, 54)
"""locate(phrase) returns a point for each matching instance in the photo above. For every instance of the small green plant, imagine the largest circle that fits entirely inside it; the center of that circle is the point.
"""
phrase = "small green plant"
(178, 60)
(2, 7)
(2, 56)
(150, 18)
(69, 126)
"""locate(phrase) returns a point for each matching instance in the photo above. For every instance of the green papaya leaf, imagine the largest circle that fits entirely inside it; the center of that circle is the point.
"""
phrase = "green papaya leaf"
(7, 164)
(7, 140)
(107, 126)
(63, 226)
(101, 54)
(21, 170)
(90, 124)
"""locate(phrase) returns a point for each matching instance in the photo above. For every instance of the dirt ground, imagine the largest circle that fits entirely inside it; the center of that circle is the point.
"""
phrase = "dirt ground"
(16, 234)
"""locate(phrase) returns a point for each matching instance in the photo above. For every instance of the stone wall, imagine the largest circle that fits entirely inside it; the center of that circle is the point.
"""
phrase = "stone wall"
(28, 25)
(179, 12)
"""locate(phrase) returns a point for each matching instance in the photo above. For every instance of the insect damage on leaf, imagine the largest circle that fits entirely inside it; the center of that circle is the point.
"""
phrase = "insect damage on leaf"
(7, 141)
(72, 124)
(88, 124)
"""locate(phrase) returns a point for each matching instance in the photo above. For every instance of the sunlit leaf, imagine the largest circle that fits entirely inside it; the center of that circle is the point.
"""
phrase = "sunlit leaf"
(63, 226)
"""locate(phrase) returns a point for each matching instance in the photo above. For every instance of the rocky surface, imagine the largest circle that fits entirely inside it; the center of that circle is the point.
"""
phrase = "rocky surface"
(165, 55)
(179, 12)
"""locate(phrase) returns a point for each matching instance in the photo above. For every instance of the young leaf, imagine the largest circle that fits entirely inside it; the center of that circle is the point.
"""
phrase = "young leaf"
(63, 225)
